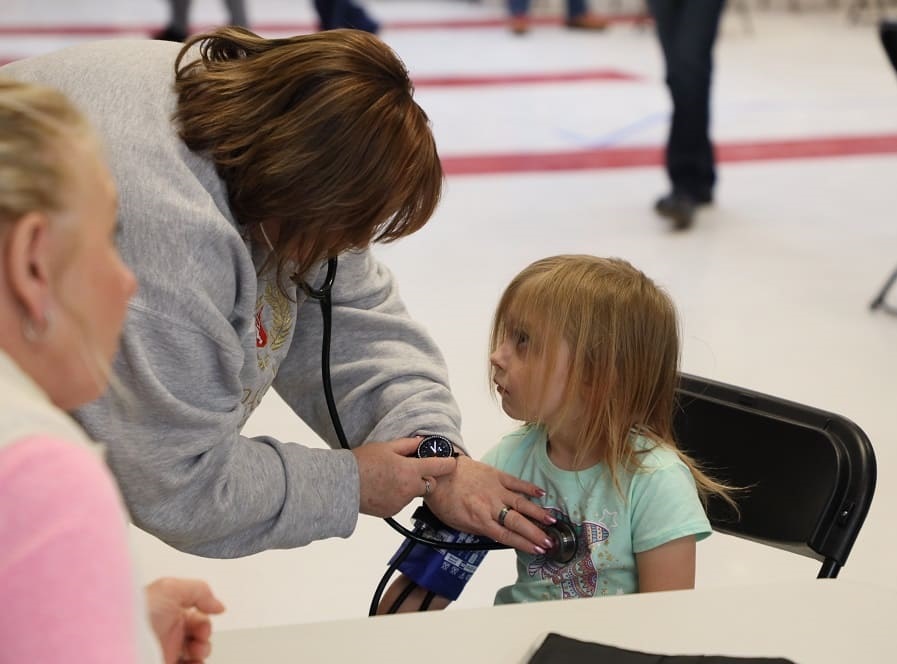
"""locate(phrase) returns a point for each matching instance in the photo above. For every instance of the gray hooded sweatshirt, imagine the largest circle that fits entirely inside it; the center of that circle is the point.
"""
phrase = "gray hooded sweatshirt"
(205, 337)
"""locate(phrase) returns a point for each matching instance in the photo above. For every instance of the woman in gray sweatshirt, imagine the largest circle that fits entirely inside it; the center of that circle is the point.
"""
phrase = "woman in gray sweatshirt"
(242, 164)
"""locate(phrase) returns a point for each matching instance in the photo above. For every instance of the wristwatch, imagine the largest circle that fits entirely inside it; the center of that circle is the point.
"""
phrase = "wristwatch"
(435, 446)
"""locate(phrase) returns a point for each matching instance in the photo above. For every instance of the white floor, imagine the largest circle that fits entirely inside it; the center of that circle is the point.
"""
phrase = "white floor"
(773, 283)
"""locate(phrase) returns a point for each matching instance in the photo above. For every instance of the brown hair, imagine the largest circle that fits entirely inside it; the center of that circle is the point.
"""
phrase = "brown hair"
(318, 133)
(37, 124)
(623, 337)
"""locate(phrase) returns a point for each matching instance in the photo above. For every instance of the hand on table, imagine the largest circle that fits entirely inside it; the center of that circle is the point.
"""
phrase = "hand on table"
(179, 612)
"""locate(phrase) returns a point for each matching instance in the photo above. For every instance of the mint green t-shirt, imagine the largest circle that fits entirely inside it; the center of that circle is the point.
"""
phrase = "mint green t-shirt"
(659, 503)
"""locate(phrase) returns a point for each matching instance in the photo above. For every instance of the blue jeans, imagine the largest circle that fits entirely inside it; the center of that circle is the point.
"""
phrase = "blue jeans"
(521, 8)
(344, 14)
(687, 30)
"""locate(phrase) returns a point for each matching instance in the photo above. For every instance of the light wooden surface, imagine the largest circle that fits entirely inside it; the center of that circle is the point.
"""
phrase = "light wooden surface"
(812, 622)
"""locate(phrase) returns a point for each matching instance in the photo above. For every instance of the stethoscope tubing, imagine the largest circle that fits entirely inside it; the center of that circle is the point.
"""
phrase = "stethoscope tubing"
(566, 536)
(324, 297)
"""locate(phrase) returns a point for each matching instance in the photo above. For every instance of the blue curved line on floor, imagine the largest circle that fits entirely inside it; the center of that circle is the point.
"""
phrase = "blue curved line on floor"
(617, 136)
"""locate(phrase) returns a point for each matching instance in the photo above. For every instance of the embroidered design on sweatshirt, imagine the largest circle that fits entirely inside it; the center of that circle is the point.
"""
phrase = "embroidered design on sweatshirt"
(273, 325)
(281, 315)
(261, 334)
(271, 338)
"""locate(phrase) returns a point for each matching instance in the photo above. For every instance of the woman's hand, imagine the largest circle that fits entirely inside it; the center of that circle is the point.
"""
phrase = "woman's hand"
(179, 612)
(390, 478)
(473, 500)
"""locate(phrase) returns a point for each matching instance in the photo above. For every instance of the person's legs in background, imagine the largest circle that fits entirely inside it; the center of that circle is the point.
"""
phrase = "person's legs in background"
(519, 10)
(334, 14)
(237, 11)
(687, 32)
(578, 16)
(178, 27)
(178, 22)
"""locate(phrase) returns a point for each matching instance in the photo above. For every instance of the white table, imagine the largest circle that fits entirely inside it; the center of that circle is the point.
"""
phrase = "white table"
(812, 622)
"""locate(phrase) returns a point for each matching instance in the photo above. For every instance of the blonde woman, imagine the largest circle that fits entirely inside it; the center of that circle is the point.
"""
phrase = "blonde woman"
(66, 578)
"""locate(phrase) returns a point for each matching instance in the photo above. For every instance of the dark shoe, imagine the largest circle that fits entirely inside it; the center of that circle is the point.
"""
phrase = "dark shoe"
(519, 24)
(702, 199)
(170, 34)
(680, 208)
(367, 24)
(356, 18)
(587, 21)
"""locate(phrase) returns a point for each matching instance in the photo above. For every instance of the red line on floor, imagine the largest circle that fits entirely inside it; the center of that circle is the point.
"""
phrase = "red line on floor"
(121, 30)
(522, 79)
(634, 157)
(501, 79)
(608, 158)
(107, 30)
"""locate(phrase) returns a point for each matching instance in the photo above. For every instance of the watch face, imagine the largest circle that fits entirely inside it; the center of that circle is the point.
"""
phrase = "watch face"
(435, 446)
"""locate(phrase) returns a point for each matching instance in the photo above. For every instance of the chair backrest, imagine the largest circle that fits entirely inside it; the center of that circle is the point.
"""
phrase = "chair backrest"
(808, 475)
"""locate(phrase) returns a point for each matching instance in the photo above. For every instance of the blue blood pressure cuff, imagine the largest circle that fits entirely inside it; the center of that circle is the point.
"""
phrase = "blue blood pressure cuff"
(442, 571)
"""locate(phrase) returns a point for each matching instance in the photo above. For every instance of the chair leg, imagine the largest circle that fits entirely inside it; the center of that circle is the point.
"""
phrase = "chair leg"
(887, 32)
(880, 298)
(830, 569)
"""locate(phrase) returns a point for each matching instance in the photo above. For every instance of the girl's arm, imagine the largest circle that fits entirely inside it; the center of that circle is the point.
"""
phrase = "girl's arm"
(670, 566)
(413, 602)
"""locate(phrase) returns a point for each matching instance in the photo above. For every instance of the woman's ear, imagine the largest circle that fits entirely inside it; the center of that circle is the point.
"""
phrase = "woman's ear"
(28, 264)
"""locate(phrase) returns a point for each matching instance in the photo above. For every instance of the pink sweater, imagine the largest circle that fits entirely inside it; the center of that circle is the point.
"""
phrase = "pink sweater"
(66, 583)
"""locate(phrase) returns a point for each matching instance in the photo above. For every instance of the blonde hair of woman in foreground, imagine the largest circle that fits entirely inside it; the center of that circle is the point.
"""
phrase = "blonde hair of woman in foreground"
(66, 573)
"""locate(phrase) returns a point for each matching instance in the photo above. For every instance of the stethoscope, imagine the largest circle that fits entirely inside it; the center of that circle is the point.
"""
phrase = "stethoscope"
(562, 534)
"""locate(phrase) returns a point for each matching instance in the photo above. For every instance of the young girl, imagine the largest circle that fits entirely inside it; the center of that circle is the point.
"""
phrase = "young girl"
(585, 353)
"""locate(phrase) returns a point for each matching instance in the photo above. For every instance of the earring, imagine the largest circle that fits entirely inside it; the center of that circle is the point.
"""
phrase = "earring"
(33, 332)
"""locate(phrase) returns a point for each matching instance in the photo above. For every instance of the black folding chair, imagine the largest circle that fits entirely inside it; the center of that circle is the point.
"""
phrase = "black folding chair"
(808, 476)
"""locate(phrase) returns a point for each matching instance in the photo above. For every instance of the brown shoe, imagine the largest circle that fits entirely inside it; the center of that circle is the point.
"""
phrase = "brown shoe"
(588, 21)
(519, 24)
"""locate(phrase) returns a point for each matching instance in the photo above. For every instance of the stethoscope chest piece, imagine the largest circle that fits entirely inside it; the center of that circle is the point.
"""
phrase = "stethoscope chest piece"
(563, 539)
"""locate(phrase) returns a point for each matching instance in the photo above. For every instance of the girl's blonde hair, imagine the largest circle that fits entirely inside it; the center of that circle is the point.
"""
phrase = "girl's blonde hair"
(38, 127)
(319, 133)
(622, 332)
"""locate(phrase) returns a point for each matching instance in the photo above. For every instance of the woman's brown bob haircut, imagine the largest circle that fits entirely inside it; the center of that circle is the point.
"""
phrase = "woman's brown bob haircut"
(318, 134)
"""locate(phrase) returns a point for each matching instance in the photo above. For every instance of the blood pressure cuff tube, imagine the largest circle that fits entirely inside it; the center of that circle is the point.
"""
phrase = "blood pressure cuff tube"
(442, 571)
